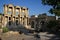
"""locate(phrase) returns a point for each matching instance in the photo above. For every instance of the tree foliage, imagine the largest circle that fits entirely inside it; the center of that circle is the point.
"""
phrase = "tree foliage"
(55, 6)
(42, 16)
(54, 25)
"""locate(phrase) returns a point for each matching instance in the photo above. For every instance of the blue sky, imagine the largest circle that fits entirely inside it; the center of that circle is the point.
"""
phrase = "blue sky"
(35, 6)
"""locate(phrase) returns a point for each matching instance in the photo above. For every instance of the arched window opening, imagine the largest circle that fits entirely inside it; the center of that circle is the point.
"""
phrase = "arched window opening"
(16, 22)
(9, 23)
(32, 24)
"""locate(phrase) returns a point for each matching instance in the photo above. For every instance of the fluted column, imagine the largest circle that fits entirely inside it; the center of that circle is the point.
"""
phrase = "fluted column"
(5, 12)
(26, 17)
(5, 9)
(25, 21)
(3, 21)
(20, 16)
(13, 13)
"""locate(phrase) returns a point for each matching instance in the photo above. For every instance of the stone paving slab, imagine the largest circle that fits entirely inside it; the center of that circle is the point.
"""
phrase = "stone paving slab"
(43, 36)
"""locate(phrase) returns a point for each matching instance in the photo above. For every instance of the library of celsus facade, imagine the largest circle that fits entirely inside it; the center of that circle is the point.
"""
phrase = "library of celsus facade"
(15, 16)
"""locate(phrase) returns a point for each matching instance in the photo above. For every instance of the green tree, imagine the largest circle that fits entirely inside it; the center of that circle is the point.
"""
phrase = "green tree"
(55, 6)
(53, 25)
(42, 16)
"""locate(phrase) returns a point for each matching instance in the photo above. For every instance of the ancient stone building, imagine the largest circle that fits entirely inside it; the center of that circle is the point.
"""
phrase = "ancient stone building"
(15, 16)
(40, 21)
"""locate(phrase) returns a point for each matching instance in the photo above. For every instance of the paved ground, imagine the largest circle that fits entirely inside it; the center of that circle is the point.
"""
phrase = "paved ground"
(17, 37)
(28, 36)
(43, 36)
(46, 36)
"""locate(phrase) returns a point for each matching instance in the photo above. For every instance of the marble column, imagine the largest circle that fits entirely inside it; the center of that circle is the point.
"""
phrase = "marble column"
(20, 16)
(5, 9)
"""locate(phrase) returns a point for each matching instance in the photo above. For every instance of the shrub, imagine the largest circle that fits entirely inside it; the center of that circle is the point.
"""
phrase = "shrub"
(5, 29)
